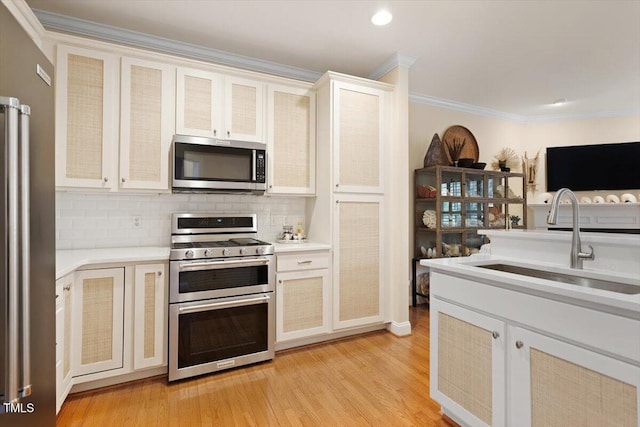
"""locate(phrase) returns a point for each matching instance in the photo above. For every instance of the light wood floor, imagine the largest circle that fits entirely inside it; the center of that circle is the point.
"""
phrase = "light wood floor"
(372, 380)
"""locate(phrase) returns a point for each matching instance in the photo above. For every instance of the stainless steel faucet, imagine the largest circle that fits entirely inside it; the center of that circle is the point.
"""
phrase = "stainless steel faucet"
(576, 246)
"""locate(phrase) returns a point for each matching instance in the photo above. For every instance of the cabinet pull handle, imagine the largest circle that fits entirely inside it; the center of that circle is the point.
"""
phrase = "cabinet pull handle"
(307, 261)
(519, 344)
(495, 335)
(66, 288)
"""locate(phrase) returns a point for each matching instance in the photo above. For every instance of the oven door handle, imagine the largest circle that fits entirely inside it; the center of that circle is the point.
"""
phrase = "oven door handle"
(211, 265)
(219, 305)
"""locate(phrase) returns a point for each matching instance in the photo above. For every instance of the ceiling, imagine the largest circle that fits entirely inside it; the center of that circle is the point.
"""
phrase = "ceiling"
(504, 57)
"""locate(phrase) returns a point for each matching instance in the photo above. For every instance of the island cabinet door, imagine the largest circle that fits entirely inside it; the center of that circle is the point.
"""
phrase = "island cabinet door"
(553, 383)
(468, 365)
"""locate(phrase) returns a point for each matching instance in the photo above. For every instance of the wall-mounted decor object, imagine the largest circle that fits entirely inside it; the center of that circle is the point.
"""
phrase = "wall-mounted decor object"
(460, 143)
(506, 160)
(628, 198)
(436, 153)
(530, 168)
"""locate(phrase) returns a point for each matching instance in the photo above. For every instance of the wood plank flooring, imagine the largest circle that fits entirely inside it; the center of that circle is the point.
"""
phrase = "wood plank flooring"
(376, 379)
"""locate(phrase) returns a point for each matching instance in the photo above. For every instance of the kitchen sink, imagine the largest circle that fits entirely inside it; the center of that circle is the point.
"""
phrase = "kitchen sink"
(586, 282)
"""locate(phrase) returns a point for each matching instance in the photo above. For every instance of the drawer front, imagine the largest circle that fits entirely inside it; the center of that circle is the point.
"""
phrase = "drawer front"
(302, 261)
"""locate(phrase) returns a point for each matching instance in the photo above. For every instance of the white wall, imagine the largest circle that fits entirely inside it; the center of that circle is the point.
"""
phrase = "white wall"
(91, 220)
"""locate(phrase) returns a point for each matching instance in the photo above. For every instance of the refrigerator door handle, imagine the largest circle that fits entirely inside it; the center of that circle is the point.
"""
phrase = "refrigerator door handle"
(25, 112)
(11, 107)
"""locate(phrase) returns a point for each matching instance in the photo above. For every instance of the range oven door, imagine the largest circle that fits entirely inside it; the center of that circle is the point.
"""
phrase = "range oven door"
(204, 279)
(212, 335)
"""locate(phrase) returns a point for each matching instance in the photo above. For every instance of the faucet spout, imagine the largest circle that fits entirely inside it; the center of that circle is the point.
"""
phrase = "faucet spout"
(577, 255)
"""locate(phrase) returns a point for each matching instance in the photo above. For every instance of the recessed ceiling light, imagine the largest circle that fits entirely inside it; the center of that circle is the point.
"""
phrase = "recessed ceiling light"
(559, 101)
(382, 17)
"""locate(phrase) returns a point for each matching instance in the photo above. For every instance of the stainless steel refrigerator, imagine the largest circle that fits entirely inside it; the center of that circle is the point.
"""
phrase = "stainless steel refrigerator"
(27, 252)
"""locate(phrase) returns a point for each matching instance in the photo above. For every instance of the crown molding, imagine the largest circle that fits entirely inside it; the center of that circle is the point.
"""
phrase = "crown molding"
(27, 19)
(487, 112)
(465, 108)
(81, 27)
(394, 61)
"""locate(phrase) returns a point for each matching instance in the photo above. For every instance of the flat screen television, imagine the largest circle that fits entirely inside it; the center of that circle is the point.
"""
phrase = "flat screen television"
(594, 167)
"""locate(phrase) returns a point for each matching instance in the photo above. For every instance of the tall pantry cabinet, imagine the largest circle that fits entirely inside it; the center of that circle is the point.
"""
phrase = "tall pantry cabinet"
(349, 210)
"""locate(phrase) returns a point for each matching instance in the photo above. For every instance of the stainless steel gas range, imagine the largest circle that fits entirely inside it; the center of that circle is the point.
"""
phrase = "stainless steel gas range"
(221, 294)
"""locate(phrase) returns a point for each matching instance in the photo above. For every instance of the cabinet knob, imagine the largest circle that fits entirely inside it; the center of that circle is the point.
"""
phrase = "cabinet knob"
(495, 335)
(159, 273)
(105, 179)
(215, 132)
(57, 296)
(123, 179)
(271, 186)
(280, 281)
(337, 185)
(228, 134)
(519, 344)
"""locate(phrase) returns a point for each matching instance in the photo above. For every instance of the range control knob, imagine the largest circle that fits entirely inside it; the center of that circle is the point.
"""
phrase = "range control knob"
(226, 252)
(260, 250)
(243, 251)
(188, 254)
(208, 253)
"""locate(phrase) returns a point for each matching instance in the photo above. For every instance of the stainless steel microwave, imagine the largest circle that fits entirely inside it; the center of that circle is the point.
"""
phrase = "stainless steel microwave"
(214, 165)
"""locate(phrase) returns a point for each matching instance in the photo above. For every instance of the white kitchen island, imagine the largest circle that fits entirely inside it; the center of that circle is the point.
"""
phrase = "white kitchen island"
(514, 350)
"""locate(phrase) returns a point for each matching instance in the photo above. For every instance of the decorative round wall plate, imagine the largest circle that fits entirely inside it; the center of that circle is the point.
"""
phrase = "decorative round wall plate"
(458, 134)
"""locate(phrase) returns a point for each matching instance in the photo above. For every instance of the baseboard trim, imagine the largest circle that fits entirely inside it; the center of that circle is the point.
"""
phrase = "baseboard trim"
(400, 329)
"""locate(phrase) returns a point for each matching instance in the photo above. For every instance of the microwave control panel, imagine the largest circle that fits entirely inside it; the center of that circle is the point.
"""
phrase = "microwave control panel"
(260, 167)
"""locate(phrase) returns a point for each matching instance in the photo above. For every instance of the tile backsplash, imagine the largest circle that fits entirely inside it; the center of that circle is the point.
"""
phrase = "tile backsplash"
(90, 220)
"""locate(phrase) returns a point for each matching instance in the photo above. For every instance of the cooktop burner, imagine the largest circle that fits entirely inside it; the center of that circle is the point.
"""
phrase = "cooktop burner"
(198, 236)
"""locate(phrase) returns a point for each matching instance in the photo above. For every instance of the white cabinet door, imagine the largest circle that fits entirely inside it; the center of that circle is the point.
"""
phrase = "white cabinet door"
(147, 123)
(243, 109)
(291, 140)
(467, 364)
(150, 316)
(86, 118)
(64, 288)
(360, 131)
(358, 278)
(199, 97)
(98, 317)
(303, 304)
(553, 383)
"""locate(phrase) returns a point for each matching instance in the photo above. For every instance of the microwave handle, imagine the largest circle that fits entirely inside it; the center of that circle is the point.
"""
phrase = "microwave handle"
(255, 165)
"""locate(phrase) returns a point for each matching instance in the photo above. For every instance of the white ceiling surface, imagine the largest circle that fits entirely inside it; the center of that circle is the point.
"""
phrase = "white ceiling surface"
(513, 57)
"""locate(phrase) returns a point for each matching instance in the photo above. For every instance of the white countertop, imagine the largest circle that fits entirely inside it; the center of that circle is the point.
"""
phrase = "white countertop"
(70, 260)
(280, 248)
(617, 239)
(616, 302)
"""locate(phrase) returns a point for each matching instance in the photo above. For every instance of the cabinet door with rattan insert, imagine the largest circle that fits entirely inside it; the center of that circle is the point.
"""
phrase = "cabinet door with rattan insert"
(147, 123)
(467, 364)
(98, 317)
(86, 118)
(554, 383)
(302, 298)
(291, 139)
(360, 132)
(150, 316)
(199, 96)
(244, 109)
(358, 261)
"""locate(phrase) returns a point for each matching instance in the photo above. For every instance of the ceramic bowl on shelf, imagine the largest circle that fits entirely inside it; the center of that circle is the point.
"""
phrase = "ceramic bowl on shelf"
(479, 165)
(465, 163)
